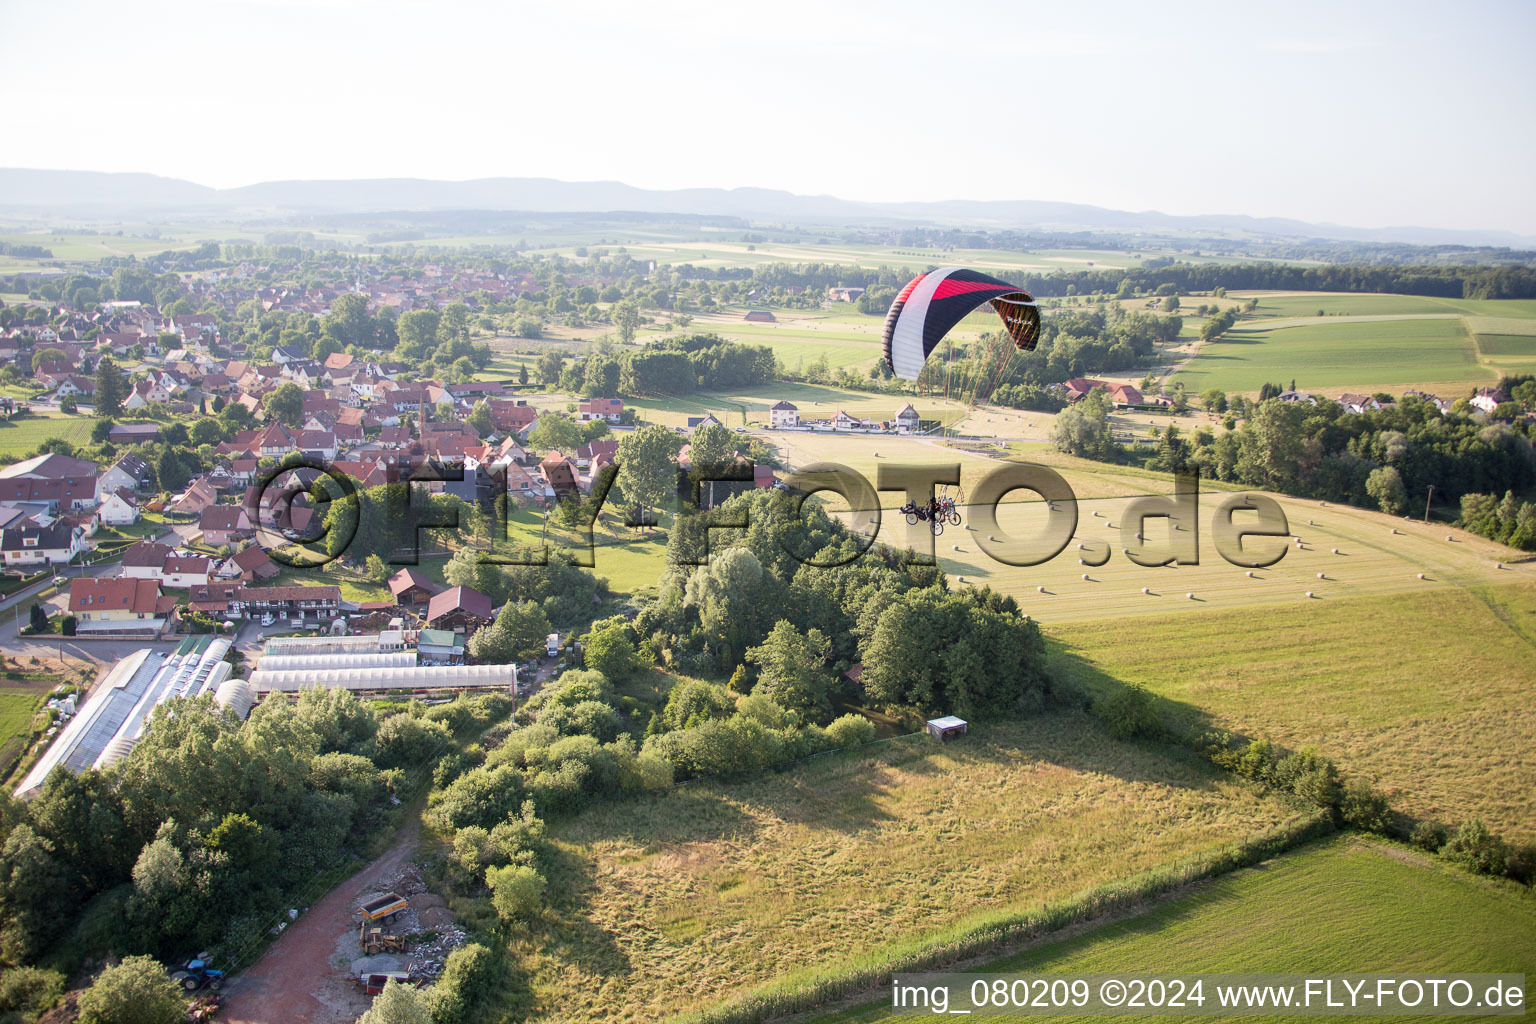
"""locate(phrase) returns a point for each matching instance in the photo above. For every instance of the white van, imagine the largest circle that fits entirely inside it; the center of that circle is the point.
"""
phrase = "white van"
(552, 644)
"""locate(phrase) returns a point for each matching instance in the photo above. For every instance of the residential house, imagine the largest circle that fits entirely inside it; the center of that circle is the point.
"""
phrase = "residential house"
(179, 572)
(843, 421)
(1296, 396)
(783, 414)
(610, 409)
(142, 561)
(119, 509)
(1358, 403)
(695, 422)
(200, 493)
(559, 475)
(32, 546)
(70, 494)
(907, 419)
(225, 524)
(250, 564)
(118, 605)
(1489, 399)
(294, 603)
(130, 472)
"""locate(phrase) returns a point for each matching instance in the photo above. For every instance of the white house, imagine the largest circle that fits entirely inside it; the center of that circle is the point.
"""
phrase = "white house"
(182, 571)
(41, 545)
(1488, 399)
(128, 473)
(906, 419)
(783, 414)
(843, 421)
(120, 508)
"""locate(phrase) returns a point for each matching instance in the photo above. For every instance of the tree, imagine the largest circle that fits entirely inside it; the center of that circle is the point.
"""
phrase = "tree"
(626, 319)
(136, 991)
(1214, 400)
(518, 632)
(522, 373)
(1171, 304)
(37, 618)
(398, 1004)
(647, 470)
(207, 431)
(101, 430)
(1078, 433)
(285, 404)
(552, 431)
(792, 670)
(1385, 485)
(480, 418)
(610, 649)
(348, 322)
(111, 388)
(171, 469)
(68, 406)
(551, 364)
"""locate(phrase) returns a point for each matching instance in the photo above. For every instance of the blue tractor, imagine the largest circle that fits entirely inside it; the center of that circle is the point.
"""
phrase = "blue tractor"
(196, 974)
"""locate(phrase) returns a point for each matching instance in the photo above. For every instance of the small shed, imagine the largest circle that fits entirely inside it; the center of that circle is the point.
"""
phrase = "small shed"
(947, 728)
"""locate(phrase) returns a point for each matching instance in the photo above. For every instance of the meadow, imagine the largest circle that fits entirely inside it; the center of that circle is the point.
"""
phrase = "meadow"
(18, 707)
(1321, 353)
(1341, 905)
(662, 904)
(21, 436)
(1426, 695)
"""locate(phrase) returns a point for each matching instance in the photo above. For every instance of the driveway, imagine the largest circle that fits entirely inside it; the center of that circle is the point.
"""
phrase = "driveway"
(295, 981)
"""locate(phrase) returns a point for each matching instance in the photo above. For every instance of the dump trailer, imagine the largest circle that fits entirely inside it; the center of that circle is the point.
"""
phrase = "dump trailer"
(376, 940)
(374, 983)
(385, 908)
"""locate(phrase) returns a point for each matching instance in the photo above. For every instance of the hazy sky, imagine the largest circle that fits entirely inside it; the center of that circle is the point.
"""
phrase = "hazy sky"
(1362, 114)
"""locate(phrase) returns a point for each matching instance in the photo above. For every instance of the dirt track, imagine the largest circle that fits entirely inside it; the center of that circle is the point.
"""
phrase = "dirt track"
(295, 981)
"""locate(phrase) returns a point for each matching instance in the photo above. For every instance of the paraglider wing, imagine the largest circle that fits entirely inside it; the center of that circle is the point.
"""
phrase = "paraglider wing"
(933, 303)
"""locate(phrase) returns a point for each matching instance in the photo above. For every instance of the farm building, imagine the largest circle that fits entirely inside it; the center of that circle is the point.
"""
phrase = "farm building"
(947, 728)
(389, 640)
(113, 719)
(405, 677)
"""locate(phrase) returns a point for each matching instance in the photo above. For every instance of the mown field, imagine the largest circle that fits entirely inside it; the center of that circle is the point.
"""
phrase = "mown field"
(20, 437)
(1340, 906)
(18, 706)
(1427, 694)
(1337, 353)
(663, 904)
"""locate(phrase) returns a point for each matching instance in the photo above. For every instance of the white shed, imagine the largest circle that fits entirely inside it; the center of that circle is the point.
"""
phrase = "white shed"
(947, 728)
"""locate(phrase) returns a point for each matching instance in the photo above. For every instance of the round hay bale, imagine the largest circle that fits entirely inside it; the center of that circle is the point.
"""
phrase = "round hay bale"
(1146, 590)
(1098, 515)
(1041, 589)
(1422, 576)
(1310, 594)
(1190, 595)
(1250, 574)
(1394, 531)
(1321, 576)
(1087, 578)
(1335, 550)
(1498, 565)
(955, 546)
(1450, 538)
(1311, 523)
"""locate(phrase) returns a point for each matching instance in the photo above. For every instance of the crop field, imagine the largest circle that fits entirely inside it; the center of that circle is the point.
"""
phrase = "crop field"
(1370, 355)
(662, 904)
(1306, 304)
(1342, 905)
(1425, 694)
(20, 437)
(91, 247)
(720, 253)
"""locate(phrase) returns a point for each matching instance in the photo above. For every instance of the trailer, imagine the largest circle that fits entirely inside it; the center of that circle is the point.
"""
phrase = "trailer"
(385, 908)
(374, 983)
(552, 644)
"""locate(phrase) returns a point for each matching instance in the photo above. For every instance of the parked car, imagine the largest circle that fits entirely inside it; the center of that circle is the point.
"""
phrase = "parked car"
(267, 620)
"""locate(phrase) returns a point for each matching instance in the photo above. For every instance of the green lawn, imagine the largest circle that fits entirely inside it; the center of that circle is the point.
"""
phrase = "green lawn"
(666, 903)
(1427, 695)
(1369, 303)
(18, 706)
(1344, 905)
(1337, 352)
(20, 437)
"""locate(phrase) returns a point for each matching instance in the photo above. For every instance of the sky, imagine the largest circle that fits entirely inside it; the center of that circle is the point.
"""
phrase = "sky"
(1363, 114)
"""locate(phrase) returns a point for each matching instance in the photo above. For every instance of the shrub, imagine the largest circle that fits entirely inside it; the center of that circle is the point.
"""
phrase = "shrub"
(1364, 807)
(1520, 862)
(136, 991)
(1429, 835)
(29, 991)
(516, 891)
(850, 731)
(1128, 712)
(1476, 849)
(468, 979)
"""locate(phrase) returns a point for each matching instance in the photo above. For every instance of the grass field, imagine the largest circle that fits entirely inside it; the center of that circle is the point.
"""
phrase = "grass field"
(1340, 906)
(1428, 694)
(1367, 303)
(21, 437)
(18, 706)
(750, 407)
(1338, 352)
(662, 904)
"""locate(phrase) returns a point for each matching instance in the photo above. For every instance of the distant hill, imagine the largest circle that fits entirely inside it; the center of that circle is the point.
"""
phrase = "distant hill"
(42, 192)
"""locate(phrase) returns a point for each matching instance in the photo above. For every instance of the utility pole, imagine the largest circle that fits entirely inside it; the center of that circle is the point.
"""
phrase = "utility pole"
(1426, 502)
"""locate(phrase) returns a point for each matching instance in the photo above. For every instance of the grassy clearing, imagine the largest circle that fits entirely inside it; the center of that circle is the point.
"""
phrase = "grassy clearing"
(1385, 909)
(18, 707)
(663, 904)
(750, 406)
(20, 437)
(1426, 694)
(1367, 303)
(1371, 355)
